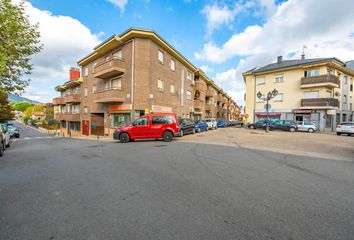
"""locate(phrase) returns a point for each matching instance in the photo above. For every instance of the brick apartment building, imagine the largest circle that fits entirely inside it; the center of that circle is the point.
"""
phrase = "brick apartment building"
(131, 74)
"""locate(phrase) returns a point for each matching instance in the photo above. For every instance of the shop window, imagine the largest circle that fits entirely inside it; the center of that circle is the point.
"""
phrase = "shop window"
(120, 119)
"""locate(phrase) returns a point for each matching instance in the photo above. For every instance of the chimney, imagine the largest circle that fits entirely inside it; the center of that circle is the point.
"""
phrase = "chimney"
(303, 56)
(280, 59)
(74, 73)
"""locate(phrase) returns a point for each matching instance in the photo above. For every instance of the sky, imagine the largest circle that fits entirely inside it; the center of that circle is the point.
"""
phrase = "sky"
(224, 38)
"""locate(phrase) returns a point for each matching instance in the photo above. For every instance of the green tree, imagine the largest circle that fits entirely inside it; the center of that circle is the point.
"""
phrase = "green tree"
(5, 109)
(21, 106)
(18, 41)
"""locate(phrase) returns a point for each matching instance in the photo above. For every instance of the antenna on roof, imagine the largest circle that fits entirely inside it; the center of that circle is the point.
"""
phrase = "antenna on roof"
(303, 52)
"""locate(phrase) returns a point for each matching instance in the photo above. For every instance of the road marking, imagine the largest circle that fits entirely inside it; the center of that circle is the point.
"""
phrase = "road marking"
(27, 138)
(44, 137)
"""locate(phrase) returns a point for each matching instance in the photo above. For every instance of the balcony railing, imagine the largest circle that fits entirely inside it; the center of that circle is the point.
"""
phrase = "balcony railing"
(319, 102)
(58, 101)
(198, 104)
(321, 80)
(72, 117)
(208, 107)
(209, 93)
(108, 95)
(110, 68)
(200, 86)
(72, 98)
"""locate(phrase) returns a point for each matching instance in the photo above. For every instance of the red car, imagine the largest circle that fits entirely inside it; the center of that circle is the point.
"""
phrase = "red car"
(157, 125)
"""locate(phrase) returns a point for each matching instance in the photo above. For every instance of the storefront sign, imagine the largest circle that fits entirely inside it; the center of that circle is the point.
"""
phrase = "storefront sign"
(302, 111)
(269, 113)
(161, 109)
(331, 112)
(121, 107)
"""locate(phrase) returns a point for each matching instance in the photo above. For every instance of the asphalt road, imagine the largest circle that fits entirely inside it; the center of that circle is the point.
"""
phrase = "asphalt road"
(56, 188)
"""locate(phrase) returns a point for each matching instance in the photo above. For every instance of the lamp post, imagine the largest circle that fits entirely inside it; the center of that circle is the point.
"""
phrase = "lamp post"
(270, 95)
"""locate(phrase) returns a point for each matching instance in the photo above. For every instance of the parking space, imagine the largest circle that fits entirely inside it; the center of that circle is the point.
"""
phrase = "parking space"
(323, 145)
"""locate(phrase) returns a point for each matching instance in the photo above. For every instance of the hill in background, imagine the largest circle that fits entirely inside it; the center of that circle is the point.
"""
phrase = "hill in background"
(15, 98)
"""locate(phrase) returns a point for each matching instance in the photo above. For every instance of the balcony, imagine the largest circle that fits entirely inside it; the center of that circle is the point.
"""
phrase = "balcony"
(108, 95)
(58, 101)
(71, 117)
(320, 102)
(111, 68)
(209, 93)
(219, 98)
(198, 104)
(209, 107)
(200, 86)
(73, 98)
(320, 81)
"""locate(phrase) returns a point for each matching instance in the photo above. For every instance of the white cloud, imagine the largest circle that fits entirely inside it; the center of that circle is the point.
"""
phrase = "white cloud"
(207, 69)
(288, 26)
(120, 3)
(65, 40)
(218, 16)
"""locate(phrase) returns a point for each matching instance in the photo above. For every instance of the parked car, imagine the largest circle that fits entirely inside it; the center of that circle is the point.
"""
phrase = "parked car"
(284, 125)
(260, 124)
(14, 132)
(186, 126)
(5, 131)
(2, 143)
(345, 128)
(306, 126)
(163, 126)
(212, 123)
(200, 126)
(221, 124)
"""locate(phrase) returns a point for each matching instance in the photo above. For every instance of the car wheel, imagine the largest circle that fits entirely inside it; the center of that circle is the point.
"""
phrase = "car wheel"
(181, 133)
(292, 129)
(338, 133)
(2, 149)
(252, 127)
(167, 136)
(311, 130)
(124, 137)
(199, 130)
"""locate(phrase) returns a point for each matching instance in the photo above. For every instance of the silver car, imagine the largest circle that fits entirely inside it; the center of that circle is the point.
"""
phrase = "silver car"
(212, 124)
(345, 128)
(306, 126)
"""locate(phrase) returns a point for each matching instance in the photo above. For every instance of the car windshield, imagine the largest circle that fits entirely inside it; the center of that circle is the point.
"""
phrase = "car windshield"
(208, 120)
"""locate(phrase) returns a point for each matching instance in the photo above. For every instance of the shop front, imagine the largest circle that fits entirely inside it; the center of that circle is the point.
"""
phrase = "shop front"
(118, 115)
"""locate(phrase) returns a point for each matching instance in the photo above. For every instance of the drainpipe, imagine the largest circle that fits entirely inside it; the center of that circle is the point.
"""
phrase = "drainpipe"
(254, 102)
(132, 80)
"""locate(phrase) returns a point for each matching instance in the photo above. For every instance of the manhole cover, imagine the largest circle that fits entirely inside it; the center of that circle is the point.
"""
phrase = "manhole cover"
(160, 146)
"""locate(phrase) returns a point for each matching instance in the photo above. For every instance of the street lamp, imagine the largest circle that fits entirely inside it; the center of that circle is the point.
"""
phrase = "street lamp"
(270, 95)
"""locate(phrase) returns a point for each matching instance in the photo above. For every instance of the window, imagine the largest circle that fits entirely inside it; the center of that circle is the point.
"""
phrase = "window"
(345, 100)
(160, 85)
(345, 79)
(308, 95)
(140, 122)
(260, 80)
(162, 120)
(76, 90)
(93, 67)
(278, 97)
(107, 58)
(116, 83)
(189, 75)
(312, 72)
(75, 108)
(62, 93)
(189, 95)
(117, 55)
(160, 56)
(86, 71)
(173, 65)
(279, 78)
(85, 92)
(172, 89)
(85, 109)
(93, 88)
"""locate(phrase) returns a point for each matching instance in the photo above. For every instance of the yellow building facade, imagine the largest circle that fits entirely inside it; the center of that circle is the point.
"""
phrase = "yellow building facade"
(318, 90)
